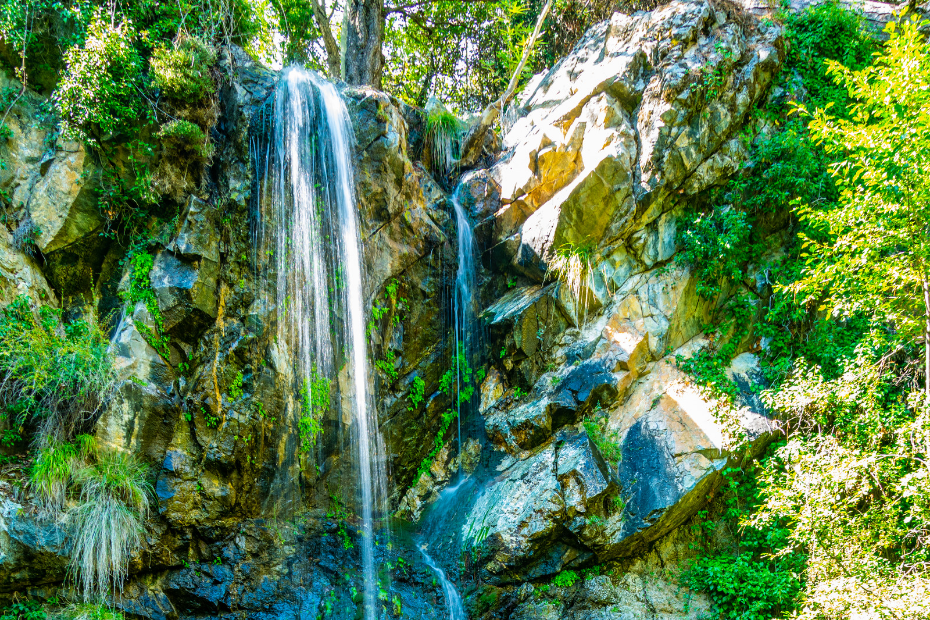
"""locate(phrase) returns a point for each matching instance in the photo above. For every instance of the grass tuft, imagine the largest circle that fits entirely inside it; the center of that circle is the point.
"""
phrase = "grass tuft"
(114, 504)
(56, 374)
(572, 265)
(442, 129)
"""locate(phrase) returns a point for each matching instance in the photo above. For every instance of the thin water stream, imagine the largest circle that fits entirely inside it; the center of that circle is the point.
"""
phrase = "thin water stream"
(437, 522)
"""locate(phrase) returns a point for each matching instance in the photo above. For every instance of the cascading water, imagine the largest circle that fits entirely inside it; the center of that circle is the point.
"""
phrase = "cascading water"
(466, 283)
(466, 345)
(306, 230)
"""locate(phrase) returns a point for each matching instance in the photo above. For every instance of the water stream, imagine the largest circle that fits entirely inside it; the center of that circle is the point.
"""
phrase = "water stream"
(307, 232)
(466, 285)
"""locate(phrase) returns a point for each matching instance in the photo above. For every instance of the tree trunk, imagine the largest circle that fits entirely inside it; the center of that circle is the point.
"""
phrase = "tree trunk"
(926, 287)
(474, 140)
(362, 61)
(333, 60)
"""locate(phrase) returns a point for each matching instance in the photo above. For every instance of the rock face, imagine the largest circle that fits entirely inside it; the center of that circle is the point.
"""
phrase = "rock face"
(608, 147)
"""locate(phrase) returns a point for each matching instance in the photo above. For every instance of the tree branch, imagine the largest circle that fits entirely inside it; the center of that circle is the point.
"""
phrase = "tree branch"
(333, 60)
(471, 146)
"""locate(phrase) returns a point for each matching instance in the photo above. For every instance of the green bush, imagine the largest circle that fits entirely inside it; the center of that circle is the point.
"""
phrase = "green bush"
(23, 610)
(826, 31)
(56, 374)
(114, 503)
(716, 246)
(100, 92)
(186, 136)
(182, 71)
(53, 470)
(565, 579)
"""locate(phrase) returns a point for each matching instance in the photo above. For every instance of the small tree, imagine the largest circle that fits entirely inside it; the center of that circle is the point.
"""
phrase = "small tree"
(871, 251)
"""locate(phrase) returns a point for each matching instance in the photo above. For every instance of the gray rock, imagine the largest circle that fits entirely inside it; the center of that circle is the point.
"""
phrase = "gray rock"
(186, 291)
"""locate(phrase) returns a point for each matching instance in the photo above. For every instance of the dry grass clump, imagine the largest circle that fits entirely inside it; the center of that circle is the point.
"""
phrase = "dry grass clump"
(572, 265)
(113, 505)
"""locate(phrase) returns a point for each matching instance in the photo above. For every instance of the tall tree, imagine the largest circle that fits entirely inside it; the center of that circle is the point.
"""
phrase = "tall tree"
(363, 59)
(874, 254)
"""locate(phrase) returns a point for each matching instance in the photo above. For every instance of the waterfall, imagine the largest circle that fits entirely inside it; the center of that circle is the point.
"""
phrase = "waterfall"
(306, 233)
(466, 285)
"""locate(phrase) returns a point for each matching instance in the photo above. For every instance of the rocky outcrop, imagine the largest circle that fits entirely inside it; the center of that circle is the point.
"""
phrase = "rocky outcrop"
(608, 148)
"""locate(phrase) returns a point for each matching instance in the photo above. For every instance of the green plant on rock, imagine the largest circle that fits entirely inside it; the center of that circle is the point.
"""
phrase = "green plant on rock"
(417, 389)
(55, 373)
(716, 246)
(28, 609)
(447, 417)
(182, 70)
(114, 503)
(608, 446)
(572, 263)
(187, 137)
(340, 513)
(441, 141)
(53, 470)
(140, 262)
(88, 611)
(315, 401)
(565, 579)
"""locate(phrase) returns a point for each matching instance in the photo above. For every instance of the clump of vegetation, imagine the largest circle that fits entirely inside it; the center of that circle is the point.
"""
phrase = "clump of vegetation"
(417, 389)
(100, 93)
(55, 374)
(571, 264)
(315, 400)
(53, 470)
(114, 503)
(88, 611)
(608, 447)
(441, 140)
(716, 245)
(28, 609)
(745, 581)
(182, 70)
(187, 137)
(141, 262)
(565, 579)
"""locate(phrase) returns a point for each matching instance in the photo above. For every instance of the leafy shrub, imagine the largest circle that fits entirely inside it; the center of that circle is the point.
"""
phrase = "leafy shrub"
(182, 71)
(186, 136)
(757, 578)
(824, 31)
(715, 245)
(54, 373)
(23, 610)
(565, 579)
(100, 91)
(114, 503)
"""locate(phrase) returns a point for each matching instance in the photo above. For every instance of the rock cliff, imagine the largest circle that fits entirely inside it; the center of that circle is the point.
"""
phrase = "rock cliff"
(602, 152)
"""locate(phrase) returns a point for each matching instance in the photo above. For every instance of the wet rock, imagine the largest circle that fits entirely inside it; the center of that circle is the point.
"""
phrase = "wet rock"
(198, 237)
(33, 550)
(186, 292)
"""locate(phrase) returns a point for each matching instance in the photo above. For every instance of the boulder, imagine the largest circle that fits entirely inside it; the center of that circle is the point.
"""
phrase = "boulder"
(63, 202)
